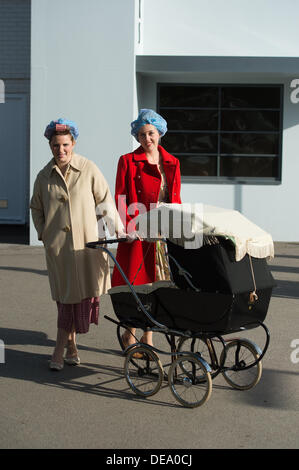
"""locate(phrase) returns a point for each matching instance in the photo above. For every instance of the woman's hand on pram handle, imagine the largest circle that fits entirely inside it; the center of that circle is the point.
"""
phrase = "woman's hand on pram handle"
(132, 237)
(120, 237)
(129, 237)
(101, 243)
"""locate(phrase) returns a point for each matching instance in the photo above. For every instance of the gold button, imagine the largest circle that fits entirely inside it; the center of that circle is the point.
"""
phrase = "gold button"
(67, 228)
(63, 199)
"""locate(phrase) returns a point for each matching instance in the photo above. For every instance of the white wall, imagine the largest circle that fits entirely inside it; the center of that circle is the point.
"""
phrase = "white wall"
(265, 29)
(272, 207)
(221, 27)
(83, 69)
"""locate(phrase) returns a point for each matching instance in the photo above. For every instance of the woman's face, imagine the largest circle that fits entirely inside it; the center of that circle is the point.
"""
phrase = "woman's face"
(62, 147)
(148, 137)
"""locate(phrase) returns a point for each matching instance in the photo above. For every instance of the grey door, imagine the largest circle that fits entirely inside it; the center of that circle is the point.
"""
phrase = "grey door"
(14, 158)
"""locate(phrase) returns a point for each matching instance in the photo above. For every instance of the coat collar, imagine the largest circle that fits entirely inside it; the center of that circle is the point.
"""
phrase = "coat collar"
(77, 162)
(139, 155)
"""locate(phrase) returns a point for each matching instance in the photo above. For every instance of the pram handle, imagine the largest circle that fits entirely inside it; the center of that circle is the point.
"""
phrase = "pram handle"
(105, 242)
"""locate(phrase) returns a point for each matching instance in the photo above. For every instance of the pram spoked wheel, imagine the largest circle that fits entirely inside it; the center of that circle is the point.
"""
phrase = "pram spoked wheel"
(242, 370)
(205, 347)
(144, 375)
(189, 381)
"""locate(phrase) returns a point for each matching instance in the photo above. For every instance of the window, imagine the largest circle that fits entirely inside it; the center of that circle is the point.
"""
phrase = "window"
(227, 133)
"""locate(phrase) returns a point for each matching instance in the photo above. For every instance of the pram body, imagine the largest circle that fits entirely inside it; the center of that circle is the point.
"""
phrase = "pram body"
(216, 301)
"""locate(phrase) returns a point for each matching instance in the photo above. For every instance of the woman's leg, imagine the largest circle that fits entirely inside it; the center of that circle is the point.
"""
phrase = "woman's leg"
(128, 337)
(72, 350)
(147, 338)
(61, 341)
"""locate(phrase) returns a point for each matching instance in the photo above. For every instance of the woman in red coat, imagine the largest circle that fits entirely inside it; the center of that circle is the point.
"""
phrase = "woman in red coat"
(146, 176)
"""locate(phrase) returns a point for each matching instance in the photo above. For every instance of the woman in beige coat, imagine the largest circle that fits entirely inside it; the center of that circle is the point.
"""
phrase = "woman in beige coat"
(67, 193)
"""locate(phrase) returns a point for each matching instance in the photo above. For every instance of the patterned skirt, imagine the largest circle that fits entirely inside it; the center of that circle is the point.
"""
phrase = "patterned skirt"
(78, 316)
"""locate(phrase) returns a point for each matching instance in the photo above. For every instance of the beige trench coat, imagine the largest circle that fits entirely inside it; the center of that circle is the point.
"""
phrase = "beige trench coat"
(64, 215)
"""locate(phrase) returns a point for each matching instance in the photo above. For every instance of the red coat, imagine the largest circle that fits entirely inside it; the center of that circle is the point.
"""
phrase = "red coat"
(140, 182)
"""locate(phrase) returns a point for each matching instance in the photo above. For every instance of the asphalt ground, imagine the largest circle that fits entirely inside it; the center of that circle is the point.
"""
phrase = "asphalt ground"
(92, 407)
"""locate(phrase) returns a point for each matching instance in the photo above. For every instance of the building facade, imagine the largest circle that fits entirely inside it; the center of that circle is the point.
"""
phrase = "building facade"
(15, 27)
(225, 75)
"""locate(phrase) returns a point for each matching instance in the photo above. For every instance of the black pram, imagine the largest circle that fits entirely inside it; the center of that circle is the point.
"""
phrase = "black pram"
(209, 296)
(211, 292)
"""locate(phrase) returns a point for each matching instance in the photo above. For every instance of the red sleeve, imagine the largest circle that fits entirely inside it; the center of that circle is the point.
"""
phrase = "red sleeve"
(177, 178)
(121, 191)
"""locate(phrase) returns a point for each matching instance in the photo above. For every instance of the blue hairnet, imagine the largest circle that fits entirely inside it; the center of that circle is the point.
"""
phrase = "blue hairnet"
(70, 125)
(148, 116)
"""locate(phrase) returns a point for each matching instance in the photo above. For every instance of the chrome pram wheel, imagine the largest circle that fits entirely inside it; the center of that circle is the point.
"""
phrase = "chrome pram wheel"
(241, 370)
(206, 348)
(143, 374)
(189, 381)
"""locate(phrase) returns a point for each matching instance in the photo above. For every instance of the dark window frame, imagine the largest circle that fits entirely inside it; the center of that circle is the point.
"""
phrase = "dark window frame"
(230, 179)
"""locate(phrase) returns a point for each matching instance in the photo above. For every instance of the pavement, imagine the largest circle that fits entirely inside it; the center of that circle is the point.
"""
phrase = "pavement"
(92, 407)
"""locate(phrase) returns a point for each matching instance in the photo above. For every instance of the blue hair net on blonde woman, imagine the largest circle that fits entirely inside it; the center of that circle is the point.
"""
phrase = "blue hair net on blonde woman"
(148, 116)
(61, 125)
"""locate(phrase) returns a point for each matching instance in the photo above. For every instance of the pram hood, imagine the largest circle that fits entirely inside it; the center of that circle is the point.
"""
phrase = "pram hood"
(180, 222)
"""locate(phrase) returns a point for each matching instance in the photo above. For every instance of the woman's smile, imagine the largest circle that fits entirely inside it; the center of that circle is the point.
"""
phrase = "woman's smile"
(148, 136)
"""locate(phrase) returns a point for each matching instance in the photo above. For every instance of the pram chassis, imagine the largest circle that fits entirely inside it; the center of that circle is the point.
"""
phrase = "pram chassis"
(187, 368)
